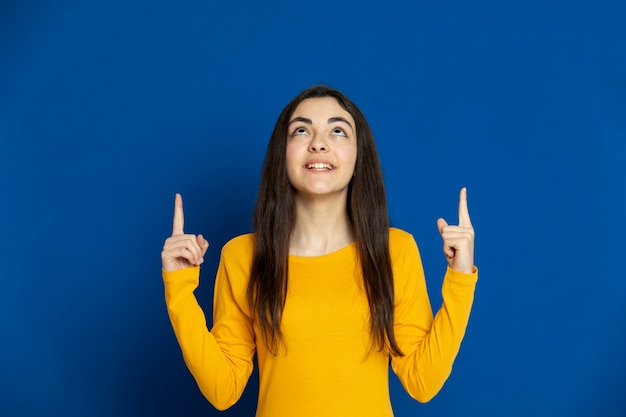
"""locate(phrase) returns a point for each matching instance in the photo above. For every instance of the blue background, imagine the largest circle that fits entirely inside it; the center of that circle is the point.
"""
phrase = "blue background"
(108, 108)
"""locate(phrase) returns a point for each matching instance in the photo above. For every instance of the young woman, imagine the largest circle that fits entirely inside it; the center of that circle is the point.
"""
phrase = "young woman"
(324, 292)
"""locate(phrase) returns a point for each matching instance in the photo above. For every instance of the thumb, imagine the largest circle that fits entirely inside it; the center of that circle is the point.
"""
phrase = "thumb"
(203, 243)
(441, 223)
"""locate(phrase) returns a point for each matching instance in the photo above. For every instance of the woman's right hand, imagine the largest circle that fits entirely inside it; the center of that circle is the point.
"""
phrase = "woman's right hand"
(180, 250)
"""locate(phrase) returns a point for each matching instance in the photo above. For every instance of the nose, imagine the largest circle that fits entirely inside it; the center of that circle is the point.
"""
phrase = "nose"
(318, 144)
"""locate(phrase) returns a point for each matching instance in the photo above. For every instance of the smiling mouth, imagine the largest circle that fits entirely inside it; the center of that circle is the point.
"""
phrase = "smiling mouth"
(320, 167)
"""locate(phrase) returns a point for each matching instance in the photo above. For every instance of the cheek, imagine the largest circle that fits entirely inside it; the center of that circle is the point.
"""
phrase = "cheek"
(351, 155)
(290, 152)
(291, 161)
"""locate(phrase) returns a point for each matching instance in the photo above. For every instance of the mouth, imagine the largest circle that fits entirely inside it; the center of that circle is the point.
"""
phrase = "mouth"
(320, 167)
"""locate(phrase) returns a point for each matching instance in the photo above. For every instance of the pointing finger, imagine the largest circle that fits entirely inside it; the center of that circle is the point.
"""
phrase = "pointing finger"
(179, 217)
(464, 218)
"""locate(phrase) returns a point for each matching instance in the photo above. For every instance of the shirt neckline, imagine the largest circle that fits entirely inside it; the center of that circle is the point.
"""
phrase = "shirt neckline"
(327, 256)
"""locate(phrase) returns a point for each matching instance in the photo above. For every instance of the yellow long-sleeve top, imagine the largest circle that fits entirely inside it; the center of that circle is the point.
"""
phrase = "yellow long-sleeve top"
(327, 366)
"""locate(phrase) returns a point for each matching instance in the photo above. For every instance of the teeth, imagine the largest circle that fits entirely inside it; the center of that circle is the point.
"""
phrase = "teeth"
(319, 166)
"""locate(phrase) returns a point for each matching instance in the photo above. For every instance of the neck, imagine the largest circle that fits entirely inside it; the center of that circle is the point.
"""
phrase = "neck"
(322, 226)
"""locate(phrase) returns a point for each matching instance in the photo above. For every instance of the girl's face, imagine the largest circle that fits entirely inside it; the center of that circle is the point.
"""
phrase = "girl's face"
(321, 148)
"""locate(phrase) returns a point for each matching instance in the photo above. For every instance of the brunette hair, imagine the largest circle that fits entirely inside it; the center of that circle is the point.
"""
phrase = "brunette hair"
(274, 217)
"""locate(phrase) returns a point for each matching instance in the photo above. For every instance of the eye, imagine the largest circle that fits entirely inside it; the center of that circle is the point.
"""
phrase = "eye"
(339, 132)
(300, 131)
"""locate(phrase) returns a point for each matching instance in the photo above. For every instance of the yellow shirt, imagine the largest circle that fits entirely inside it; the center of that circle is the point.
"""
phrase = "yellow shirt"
(327, 366)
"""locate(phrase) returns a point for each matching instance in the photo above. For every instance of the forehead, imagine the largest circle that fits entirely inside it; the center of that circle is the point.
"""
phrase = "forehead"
(322, 107)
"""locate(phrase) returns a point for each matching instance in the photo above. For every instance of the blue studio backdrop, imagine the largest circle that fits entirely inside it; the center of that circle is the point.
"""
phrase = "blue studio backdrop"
(108, 108)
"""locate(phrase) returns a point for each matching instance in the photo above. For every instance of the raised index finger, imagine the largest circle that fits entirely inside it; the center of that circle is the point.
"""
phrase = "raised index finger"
(464, 218)
(179, 217)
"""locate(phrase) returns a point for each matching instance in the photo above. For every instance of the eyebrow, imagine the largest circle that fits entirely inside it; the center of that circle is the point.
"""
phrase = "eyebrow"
(331, 120)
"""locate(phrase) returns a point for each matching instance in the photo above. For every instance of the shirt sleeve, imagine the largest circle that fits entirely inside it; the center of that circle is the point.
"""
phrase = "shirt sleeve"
(429, 345)
(220, 360)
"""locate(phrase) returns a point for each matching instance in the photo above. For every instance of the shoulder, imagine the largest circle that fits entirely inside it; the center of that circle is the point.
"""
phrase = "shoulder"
(399, 240)
(405, 256)
(240, 246)
(233, 273)
(237, 253)
(235, 263)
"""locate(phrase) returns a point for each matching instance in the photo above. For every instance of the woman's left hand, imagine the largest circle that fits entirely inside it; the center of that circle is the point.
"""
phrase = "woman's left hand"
(458, 241)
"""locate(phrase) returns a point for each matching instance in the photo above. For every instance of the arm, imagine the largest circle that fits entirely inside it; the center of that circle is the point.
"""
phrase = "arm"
(430, 347)
(220, 360)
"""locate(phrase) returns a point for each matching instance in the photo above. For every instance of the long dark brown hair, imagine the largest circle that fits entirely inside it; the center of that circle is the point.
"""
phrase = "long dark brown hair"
(274, 217)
